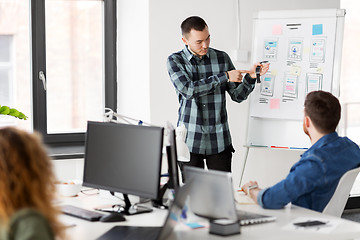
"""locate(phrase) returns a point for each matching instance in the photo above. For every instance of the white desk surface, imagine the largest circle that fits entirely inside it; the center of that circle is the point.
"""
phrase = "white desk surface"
(279, 229)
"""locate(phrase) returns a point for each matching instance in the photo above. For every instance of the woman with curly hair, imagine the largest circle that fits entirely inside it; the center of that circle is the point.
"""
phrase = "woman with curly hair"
(27, 188)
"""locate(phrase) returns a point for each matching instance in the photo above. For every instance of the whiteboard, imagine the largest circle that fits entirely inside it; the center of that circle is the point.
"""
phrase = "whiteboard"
(304, 51)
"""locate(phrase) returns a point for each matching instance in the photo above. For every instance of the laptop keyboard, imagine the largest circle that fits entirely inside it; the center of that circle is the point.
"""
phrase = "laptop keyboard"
(247, 218)
(131, 232)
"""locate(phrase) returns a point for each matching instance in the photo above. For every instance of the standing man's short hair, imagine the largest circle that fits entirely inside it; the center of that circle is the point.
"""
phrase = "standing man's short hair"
(324, 110)
(193, 22)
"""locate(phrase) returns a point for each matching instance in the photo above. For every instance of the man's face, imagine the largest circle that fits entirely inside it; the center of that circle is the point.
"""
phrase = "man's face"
(198, 41)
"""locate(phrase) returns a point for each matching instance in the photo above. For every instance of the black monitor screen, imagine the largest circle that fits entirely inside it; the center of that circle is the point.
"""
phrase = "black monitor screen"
(123, 158)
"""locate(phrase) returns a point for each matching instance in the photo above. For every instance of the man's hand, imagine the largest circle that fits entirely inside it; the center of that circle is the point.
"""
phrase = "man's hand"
(235, 75)
(263, 69)
(251, 188)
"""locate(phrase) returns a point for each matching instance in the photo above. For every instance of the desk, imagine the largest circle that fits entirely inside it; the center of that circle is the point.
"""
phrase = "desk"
(85, 230)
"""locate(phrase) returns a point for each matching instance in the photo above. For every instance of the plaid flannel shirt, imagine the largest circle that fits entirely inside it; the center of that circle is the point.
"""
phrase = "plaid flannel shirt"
(201, 85)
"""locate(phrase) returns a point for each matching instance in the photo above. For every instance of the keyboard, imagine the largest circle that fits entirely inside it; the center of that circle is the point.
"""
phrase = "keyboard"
(82, 213)
(247, 218)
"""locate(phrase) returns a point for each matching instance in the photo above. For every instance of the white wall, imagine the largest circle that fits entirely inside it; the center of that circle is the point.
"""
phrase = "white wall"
(133, 59)
(69, 169)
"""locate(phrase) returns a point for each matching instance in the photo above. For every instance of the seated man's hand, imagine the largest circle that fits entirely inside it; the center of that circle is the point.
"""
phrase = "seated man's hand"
(252, 189)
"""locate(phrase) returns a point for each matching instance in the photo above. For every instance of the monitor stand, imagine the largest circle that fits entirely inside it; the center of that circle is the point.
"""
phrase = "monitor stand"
(133, 209)
(159, 202)
(128, 209)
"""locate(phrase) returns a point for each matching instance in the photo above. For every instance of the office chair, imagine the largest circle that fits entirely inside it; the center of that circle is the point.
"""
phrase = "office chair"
(336, 205)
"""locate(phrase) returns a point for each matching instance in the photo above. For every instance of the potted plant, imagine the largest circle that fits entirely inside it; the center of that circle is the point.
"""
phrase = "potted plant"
(5, 110)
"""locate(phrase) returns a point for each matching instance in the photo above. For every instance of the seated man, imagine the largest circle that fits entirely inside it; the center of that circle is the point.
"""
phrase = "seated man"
(313, 179)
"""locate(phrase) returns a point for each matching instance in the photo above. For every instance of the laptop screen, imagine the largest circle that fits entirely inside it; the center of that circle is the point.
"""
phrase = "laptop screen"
(212, 196)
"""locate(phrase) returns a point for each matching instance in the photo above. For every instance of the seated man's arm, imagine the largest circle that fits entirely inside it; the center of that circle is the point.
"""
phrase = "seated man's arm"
(302, 179)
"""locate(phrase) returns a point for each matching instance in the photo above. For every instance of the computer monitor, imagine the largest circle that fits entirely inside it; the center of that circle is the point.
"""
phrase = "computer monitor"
(124, 158)
(173, 175)
(172, 156)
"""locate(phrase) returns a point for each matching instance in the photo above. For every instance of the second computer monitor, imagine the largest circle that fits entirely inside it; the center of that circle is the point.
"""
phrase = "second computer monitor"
(172, 156)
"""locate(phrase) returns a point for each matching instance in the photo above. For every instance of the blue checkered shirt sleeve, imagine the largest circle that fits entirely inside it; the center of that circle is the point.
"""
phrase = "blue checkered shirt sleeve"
(200, 85)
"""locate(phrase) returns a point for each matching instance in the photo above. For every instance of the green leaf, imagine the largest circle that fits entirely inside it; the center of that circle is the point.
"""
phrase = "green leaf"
(14, 112)
(22, 116)
(5, 110)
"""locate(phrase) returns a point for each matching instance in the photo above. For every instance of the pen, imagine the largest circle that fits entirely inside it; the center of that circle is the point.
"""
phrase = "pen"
(297, 148)
(252, 187)
(249, 188)
(279, 147)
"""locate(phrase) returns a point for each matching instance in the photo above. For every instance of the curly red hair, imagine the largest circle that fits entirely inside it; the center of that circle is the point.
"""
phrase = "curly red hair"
(26, 177)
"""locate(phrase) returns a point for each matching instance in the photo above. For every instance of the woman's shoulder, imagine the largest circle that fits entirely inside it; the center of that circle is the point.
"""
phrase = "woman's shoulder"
(27, 213)
(29, 224)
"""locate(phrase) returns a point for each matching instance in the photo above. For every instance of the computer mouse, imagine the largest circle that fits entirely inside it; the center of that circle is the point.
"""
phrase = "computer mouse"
(113, 217)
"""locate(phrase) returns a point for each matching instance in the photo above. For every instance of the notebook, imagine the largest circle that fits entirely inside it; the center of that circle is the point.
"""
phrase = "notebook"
(153, 233)
(212, 196)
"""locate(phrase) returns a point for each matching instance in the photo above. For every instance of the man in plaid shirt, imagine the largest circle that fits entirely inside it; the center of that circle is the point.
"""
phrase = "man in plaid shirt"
(201, 75)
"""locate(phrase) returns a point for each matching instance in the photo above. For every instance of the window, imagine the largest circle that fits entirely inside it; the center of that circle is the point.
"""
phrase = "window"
(71, 74)
(6, 95)
(74, 60)
(70, 64)
(15, 61)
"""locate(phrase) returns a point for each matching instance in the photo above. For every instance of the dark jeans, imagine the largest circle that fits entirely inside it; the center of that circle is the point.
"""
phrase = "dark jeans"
(220, 161)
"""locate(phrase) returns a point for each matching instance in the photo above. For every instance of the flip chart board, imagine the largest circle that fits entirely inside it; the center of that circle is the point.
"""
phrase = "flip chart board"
(304, 50)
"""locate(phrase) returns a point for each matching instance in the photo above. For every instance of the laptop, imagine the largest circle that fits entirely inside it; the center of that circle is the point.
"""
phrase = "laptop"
(153, 233)
(212, 196)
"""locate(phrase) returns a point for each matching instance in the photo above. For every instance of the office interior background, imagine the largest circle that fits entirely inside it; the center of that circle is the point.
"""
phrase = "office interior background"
(147, 32)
